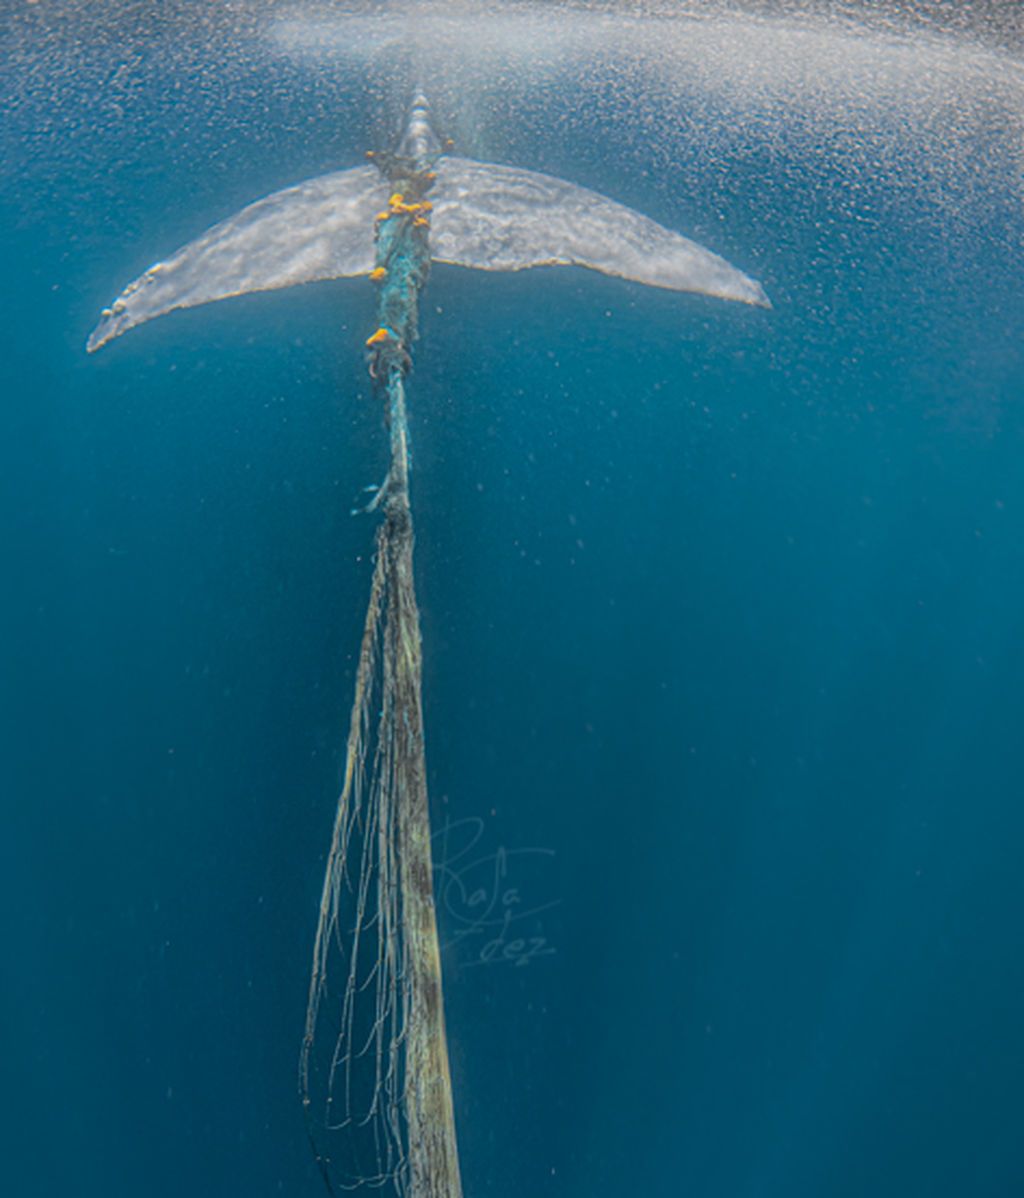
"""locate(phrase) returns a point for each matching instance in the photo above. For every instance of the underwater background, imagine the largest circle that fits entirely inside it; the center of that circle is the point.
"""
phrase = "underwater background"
(722, 608)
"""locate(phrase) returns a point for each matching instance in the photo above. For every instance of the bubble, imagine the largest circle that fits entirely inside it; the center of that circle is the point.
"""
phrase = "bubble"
(690, 98)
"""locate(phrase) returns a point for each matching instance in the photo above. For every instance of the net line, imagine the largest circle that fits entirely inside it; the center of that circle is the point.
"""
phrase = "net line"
(351, 1059)
(373, 1070)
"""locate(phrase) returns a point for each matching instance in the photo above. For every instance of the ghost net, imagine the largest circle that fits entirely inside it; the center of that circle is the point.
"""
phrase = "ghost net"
(375, 989)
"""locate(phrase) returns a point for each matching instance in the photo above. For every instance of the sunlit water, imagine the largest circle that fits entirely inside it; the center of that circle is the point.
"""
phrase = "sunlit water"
(721, 606)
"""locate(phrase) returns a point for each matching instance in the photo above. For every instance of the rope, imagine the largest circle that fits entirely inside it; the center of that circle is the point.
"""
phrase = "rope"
(384, 1078)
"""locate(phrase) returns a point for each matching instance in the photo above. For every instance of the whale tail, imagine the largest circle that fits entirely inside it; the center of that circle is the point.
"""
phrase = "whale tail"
(485, 216)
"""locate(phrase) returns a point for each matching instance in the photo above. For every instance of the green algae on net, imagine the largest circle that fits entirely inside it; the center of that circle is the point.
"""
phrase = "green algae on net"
(373, 1070)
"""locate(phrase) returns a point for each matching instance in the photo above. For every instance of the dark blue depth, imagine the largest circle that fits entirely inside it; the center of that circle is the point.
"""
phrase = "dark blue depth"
(720, 607)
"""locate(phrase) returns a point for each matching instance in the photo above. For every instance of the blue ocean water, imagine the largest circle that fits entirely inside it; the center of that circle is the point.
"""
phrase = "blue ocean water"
(723, 662)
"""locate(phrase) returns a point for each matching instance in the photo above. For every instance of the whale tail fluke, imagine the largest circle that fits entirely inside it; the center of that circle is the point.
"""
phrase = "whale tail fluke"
(485, 216)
